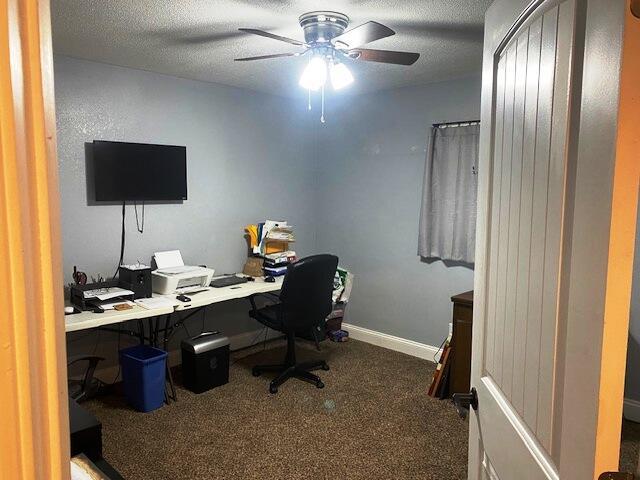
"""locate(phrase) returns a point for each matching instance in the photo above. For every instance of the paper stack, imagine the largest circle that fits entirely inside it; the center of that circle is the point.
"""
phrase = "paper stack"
(275, 264)
(270, 236)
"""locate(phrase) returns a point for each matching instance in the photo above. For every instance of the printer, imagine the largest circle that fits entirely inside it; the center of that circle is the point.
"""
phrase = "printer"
(173, 276)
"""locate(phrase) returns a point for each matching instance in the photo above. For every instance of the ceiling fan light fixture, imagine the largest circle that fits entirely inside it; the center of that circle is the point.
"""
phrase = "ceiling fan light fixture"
(314, 75)
(340, 76)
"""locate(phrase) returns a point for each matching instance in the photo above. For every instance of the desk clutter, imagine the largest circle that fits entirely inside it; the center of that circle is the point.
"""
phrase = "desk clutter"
(150, 295)
(269, 252)
(270, 236)
(100, 295)
(136, 284)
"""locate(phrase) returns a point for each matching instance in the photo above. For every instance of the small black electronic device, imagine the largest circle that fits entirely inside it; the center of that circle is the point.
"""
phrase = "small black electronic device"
(270, 279)
(183, 298)
(137, 279)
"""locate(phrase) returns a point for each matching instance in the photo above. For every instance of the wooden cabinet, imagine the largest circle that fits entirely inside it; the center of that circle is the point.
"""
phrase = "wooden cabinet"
(460, 373)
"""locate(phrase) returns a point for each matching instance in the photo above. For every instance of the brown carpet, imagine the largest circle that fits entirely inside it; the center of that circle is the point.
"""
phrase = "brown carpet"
(630, 446)
(373, 420)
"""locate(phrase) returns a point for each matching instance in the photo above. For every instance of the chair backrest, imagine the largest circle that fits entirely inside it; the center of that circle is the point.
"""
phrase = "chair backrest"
(306, 291)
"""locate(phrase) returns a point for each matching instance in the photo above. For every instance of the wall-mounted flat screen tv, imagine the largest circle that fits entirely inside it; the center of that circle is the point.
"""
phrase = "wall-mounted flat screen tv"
(139, 171)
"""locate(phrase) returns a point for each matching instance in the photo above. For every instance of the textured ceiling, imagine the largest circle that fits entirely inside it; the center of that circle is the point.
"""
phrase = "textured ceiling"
(199, 39)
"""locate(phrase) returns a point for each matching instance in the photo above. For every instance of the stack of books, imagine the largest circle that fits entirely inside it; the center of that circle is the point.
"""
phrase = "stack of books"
(275, 264)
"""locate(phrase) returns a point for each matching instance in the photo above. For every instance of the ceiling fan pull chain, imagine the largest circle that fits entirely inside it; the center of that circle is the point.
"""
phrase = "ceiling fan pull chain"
(322, 113)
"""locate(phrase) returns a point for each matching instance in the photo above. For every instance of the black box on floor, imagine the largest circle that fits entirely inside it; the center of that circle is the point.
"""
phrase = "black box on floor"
(138, 280)
(205, 361)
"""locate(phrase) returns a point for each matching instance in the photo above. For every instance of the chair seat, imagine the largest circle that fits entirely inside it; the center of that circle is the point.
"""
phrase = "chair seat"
(269, 316)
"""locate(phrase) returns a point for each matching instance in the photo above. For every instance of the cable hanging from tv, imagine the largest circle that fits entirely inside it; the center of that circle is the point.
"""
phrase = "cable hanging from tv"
(139, 226)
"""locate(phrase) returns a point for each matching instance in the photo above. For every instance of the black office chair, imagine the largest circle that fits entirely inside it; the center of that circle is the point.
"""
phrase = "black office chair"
(305, 302)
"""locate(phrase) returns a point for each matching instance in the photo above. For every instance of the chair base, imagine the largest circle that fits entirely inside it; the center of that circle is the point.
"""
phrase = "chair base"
(301, 371)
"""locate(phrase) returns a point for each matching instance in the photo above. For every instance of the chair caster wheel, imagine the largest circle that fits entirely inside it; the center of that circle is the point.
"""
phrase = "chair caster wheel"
(273, 389)
(255, 372)
(325, 367)
(319, 385)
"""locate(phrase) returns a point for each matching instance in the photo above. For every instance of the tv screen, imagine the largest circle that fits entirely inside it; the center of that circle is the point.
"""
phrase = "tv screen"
(139, 171)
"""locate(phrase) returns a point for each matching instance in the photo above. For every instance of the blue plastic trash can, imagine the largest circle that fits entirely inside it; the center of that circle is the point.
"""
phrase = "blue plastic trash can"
(143, 376)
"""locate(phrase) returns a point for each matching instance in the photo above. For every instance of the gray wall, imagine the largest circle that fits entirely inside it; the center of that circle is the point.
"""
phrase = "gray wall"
(246, 161)
(370, 164)
(632, 387)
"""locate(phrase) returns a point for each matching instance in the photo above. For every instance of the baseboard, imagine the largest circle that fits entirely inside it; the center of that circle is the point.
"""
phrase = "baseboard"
(241, 340)
(631, 410)
(415, 349)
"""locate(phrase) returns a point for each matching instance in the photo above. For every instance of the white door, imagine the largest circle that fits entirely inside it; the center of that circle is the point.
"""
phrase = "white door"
(554, 243)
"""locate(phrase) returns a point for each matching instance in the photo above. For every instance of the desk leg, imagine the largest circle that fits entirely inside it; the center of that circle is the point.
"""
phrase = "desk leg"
(141, 331)
(165, 342)
(156, 334)
(152, 340)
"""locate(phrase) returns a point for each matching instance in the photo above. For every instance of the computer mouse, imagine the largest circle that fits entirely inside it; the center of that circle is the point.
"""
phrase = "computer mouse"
(183, 298)
(269, 279)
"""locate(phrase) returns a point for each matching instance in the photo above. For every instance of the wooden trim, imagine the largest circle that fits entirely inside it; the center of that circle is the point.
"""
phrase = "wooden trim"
(592, 340)
(34, 428)
(621, 245)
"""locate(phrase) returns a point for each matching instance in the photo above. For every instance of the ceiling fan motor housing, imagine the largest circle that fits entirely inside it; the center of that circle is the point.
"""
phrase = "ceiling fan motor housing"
(320, 27)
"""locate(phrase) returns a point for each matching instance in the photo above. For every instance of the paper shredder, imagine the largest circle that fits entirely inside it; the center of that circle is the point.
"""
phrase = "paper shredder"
(205, 361)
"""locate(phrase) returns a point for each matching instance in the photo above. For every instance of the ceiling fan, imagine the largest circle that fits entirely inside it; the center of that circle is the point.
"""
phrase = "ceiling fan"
(328, 42)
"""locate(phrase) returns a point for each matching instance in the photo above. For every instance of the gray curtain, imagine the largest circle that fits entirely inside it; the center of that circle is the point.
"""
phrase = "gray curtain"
(448, 211)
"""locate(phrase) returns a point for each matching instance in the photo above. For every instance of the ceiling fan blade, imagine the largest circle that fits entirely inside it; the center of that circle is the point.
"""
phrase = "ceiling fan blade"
(263, 57)
(365, 33)
(384, 56)
(262, 33)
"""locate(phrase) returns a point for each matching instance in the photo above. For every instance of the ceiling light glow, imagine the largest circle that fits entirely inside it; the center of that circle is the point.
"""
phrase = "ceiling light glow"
(315, 74)
(340, 76)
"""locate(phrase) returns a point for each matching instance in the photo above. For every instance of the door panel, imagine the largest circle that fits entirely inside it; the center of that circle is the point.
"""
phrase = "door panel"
(527, 334)
(526, 212)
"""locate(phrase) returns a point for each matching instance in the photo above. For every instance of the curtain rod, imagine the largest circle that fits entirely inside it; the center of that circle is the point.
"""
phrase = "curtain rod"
(456, 124)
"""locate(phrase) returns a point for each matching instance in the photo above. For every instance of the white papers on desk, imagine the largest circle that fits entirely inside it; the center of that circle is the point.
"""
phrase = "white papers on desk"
(106, 293)
(156, 302)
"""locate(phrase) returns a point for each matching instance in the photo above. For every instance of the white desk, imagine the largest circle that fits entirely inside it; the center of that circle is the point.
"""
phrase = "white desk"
(88, 319)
